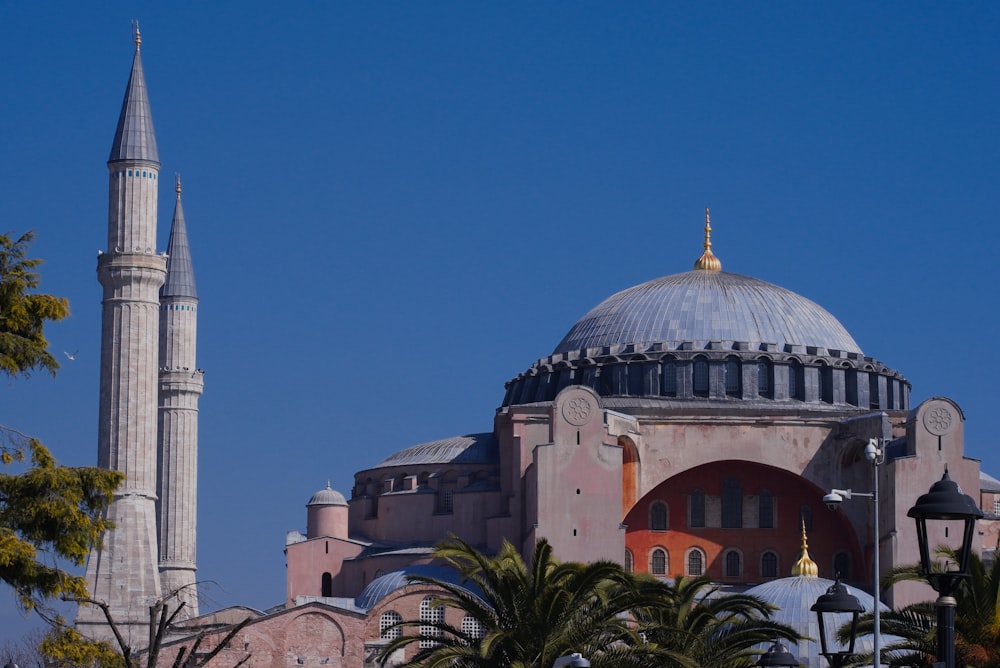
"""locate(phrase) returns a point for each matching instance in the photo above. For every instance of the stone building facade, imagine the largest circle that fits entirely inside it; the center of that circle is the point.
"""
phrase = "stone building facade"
(689, 425)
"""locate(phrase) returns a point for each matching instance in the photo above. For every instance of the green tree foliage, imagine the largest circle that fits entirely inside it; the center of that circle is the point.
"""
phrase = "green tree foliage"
(530, 614)
(690, 618)
(23, 314)
(50, 515)
(914, 627)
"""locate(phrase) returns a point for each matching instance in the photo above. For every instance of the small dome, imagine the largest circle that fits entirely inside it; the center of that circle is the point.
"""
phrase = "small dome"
(327, 497)
(384, 585)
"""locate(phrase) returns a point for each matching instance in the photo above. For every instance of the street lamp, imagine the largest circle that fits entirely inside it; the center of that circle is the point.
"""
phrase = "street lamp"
(945, 502)
(778, 655)
(874, 453)
(837, 600)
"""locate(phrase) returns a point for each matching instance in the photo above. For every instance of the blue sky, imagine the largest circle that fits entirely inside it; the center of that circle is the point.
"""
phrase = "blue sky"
(394, 208)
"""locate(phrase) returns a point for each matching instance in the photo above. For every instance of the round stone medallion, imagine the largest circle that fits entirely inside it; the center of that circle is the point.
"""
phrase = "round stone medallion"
(577, 411)
(937, 420)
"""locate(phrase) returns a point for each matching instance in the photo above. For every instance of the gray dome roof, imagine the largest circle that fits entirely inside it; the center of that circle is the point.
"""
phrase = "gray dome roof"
(469, 449)
(327, 497)
(702, 306)
(384, 585)
(794, 597)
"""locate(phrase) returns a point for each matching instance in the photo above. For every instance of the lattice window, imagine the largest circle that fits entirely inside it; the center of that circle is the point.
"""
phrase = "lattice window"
(701, 377)
(629, 562)
(765, 375)
(472, 628)
(734, 377)
(386, 624)
(765, 510)
(732, 503)
(430, 614)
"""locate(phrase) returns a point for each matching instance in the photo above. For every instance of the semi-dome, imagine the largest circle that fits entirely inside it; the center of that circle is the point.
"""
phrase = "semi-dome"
(702, 306)
(468, 449)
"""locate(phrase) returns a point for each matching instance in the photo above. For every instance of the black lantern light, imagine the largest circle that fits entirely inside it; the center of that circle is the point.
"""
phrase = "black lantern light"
(837, 600)
(945, 502)
(778, 655)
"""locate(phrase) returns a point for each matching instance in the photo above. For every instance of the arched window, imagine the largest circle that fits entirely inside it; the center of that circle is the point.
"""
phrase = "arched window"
(842, 566)
(732, 503)
(734, 564)
(734, 377)
(629, 562)
(658, 562)
(696, 508)
(326, 587)
(873, 397)
(700, 377)
(669, 378)
(695, 562)
(658, 516)
(826, 383)
(471, 627)
(769, 565)
(386, 623)
(795, 381)
(430, 614)
(765, 510)
(765, 378)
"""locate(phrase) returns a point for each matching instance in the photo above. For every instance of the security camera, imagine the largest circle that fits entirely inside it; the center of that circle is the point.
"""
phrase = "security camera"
(833, 500)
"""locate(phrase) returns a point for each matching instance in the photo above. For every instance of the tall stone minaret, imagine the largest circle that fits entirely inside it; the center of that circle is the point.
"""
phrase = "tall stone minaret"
(124, 572)
(180, 386)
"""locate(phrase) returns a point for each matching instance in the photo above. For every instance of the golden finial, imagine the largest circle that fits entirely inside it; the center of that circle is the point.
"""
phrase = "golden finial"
(177, 176)
(138, 36)
(805, 566)
(708, 261)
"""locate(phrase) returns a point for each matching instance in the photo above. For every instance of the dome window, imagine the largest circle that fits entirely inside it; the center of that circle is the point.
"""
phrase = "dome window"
(629, 562)
(765, 379)
(796, 381)
(734, 380)
(701, 383)
(669, 375)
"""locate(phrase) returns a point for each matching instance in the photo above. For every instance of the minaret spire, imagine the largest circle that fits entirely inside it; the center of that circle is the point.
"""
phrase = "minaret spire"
(123, 573)
(181, 384)
(708, 261)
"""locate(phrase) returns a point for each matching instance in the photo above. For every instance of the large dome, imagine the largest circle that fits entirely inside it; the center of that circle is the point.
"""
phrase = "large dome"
(701, 306)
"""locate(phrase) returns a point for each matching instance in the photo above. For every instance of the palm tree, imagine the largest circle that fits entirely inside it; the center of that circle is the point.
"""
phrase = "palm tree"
(691, 619)
(528, 614)
(977, 619)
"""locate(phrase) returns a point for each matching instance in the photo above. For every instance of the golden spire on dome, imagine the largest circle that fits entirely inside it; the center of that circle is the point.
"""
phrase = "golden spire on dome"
(178, 186)
(805, 566)
(708, 261)
(138, 36)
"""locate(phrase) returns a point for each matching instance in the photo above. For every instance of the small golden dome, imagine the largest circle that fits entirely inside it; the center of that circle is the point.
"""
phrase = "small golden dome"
(708, 261)
(805, 566)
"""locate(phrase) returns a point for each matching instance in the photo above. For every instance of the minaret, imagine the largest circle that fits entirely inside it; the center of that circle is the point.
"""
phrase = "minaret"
(123, 573)
(181, 384)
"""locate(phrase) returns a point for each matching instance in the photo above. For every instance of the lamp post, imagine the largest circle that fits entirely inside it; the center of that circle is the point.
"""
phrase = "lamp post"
(778, 655)
(945, 502)
(875, 454)
(837, 600)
